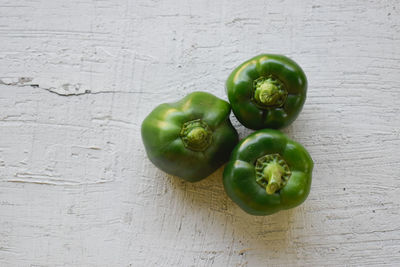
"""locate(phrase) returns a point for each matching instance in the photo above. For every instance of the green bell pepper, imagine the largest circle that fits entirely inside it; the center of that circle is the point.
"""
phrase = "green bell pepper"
(267, 172)
(267, 91)
(190, 138)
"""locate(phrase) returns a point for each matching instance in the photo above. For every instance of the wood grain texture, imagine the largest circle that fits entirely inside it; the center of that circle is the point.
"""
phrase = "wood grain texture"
(78, 77)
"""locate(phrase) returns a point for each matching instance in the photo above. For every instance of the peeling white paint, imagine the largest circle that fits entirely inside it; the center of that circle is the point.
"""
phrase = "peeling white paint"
(78, 77)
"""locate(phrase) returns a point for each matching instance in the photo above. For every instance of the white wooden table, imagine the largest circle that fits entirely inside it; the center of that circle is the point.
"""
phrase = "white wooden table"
(78, 77)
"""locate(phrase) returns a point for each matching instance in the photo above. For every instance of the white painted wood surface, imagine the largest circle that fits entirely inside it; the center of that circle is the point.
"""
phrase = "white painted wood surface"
(78, 77)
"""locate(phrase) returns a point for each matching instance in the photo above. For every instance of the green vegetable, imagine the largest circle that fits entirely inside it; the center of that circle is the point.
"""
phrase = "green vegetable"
(190, 138)
(268, 172)
(267, 91)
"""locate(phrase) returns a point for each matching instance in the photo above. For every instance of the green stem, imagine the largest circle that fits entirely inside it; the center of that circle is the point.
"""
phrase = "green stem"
(196, 135)
(273, 174)
(269, 92)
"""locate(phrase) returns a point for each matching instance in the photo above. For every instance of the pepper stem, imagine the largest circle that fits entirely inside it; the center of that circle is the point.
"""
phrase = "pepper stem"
(269, 92)
(273, 174)
(196, 135)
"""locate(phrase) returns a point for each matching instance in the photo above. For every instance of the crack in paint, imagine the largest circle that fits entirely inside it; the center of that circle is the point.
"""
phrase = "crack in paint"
(25, 81)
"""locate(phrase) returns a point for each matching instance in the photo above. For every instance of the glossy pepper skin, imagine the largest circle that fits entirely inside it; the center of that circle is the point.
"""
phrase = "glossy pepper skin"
(267, 172)
(267, 91)
(190, 138)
